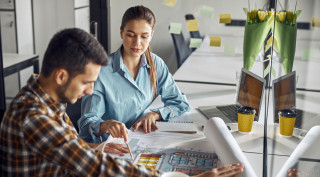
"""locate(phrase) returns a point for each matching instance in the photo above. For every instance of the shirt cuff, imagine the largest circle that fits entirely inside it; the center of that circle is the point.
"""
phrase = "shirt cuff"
(94, 127)
(166, 112)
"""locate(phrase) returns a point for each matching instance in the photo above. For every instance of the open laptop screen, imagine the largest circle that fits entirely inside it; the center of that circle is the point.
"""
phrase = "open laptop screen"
(284, 90)
(250, 92)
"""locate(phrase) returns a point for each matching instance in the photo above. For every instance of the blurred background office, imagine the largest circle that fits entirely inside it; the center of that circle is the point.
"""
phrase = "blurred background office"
(28, 25)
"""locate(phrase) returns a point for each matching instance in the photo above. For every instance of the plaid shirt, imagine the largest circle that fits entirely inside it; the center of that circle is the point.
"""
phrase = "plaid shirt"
(38, 139)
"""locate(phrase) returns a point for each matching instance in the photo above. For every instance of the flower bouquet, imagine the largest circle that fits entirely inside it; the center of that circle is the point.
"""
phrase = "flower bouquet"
(285, 33)
(258, 25)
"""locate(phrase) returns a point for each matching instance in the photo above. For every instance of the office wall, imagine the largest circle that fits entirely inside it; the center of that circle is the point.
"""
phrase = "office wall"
(162, 43)
(50, 16)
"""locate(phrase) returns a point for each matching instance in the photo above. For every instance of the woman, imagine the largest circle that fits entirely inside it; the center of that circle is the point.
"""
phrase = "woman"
(128, 85)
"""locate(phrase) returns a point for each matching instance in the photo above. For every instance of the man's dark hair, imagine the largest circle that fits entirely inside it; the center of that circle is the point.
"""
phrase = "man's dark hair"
(72, 49)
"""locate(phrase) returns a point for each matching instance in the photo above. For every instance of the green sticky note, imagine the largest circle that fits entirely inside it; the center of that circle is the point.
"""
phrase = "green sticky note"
(266, 71)
(206, 11)
(175, 28)
(195, 43)
(229, 49)
(306, 54)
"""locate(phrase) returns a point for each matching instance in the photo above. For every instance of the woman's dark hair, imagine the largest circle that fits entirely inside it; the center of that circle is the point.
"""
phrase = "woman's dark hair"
(143, 13)
(72, 49)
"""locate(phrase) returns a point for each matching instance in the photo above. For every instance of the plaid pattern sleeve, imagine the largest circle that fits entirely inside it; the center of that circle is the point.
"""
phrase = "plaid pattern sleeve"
(37, 139)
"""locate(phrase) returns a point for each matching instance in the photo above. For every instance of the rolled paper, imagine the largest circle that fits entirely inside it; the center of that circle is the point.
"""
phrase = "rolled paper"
(225, 145)
(307, 148)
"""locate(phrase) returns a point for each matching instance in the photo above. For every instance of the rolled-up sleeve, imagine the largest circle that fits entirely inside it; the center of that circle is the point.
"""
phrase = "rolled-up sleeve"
(175, 102)
(92, 109)
(55, 144)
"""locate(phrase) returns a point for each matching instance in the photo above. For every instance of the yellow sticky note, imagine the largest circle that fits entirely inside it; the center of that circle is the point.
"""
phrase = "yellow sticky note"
(192, 25)
(225, 18)
(229, 49)
(195, 43)
(175, 28)
(215, 41)
(315, 22)
(169, 3)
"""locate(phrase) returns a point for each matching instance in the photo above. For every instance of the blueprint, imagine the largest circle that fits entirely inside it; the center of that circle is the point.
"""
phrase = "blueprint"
(190, 154)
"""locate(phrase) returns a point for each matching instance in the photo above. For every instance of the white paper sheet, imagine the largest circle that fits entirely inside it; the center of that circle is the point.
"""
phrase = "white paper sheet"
(225, 145)
(307, 147)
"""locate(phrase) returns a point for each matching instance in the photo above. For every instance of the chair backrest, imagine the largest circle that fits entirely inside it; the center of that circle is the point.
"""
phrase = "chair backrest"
(193, 34)
(181, 47)
(74, 113)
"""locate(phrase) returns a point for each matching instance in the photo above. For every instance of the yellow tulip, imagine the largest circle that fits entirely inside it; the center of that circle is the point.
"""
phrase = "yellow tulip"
(271, 13)
(281, 16)
(253, 14)
(262, 15)
(290, 16)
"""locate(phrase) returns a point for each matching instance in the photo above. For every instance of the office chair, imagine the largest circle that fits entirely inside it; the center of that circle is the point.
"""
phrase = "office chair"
(74, 113)
(181, 47)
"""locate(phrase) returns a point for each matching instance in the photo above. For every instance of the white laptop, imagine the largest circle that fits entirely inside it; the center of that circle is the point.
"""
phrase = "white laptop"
(284, 97)
(250, 93)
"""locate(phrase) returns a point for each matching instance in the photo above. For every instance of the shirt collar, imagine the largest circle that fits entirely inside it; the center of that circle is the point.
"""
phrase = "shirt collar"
(118, 61)
(58, 107)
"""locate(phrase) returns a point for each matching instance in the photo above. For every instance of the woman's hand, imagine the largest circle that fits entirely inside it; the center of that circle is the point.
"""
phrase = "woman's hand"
(115, 128)
(224, 171)
(148, 122)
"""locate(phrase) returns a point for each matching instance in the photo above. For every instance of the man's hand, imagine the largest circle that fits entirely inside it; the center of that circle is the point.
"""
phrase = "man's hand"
(148, 122)
(115, 148)
(224, 171)
(115, 128)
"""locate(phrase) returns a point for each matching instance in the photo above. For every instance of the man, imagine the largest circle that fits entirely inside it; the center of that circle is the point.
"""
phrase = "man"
(37, 136)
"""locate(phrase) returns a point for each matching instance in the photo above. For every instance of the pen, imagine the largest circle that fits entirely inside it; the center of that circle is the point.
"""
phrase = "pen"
(129, 150)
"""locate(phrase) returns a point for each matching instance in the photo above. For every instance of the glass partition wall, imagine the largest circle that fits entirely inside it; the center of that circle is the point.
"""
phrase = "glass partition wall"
(278, 40)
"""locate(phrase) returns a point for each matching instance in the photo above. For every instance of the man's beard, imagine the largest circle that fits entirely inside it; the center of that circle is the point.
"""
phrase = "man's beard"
(61, 92)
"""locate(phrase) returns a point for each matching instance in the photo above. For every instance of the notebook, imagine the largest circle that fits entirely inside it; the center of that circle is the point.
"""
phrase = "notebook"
(177, 127)
(284, 97)
(249, 93)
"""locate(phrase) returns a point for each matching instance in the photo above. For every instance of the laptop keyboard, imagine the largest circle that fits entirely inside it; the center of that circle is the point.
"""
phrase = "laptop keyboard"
(230, 111)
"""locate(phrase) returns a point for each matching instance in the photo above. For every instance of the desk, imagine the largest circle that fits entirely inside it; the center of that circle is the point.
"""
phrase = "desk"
(279, 148)
(13, 63)
(207, 64)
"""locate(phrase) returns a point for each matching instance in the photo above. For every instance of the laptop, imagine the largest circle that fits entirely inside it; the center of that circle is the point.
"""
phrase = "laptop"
(249, 93)
(284, 97)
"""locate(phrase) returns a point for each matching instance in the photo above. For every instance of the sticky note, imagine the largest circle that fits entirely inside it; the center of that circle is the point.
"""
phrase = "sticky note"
(215, 41)
(175, 28)
(306, 54)
(195, 43)
(315, 22)
(229, 49)
(192, 25)
(169, 3)
(206, 11)
(266, 71)
(225, 18)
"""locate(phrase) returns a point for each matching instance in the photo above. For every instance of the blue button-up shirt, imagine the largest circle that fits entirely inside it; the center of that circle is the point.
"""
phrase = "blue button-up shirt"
(119, 97)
